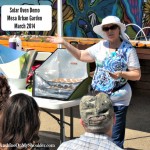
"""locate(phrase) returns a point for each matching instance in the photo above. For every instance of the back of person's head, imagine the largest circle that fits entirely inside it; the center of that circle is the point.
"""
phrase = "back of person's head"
(97, 113)
(5, 90)
(20, 120)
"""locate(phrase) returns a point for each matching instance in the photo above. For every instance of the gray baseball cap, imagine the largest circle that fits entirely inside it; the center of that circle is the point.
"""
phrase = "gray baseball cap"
(96, 111)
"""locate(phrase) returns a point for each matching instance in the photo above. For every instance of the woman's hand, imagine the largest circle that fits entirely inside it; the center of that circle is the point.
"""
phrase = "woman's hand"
(132, 75)
(81, 55)
(116, 74)
(55, 39)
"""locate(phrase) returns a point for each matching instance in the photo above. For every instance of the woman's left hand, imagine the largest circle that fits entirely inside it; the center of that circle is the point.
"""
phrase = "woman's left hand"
(133, 75)
(116, 74)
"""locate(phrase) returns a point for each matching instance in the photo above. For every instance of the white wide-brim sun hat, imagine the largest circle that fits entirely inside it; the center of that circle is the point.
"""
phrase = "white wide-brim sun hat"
(111, 20)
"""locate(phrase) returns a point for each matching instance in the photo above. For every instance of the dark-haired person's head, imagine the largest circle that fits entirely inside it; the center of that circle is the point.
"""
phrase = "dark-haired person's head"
(5, 90)
(20, 120)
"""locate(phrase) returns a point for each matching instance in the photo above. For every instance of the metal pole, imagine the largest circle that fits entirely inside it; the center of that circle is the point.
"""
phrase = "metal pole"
(59, 20)
(62, 126)
(71, 122)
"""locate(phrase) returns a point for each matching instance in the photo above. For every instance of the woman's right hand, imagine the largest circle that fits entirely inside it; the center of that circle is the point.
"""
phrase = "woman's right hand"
(55, 39)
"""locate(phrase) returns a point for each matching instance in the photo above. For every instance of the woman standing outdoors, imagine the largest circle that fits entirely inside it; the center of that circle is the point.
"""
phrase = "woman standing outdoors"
(116, 63)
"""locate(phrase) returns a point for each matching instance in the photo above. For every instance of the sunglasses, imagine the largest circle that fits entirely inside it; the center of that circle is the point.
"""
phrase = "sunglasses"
(113, 27)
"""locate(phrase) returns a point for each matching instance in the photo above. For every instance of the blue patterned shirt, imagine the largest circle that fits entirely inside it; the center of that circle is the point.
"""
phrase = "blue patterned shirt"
(124, 58)
(111, 62)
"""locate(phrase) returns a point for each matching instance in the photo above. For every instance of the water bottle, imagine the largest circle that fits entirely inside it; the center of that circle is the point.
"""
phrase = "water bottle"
(12, 42)
(18, 43)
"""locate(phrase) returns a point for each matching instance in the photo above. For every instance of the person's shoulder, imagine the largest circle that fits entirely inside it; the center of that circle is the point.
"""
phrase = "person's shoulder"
(111, 147)
(102, 43)
(127, 44)
(68, 144)
(108, 144)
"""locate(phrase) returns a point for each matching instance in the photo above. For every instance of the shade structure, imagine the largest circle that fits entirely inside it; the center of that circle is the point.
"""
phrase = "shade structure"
(13, 63)
(16, 68)
(8, 54)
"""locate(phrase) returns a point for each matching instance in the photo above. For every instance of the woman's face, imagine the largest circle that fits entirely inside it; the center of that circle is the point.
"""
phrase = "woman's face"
(112, 31)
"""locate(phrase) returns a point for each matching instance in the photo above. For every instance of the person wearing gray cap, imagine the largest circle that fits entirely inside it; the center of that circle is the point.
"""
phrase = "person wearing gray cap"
(116, 63)
(97, 118)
